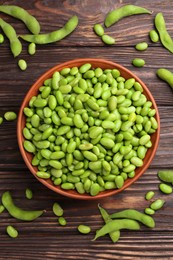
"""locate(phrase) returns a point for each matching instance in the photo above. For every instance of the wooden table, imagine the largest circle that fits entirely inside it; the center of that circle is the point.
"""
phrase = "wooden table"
(44, 238)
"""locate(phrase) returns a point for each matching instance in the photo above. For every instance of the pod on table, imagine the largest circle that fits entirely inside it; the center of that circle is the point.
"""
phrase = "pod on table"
(124, 11)
(16, 212)
(18, 12)
(135, 215)
(15, 44)
(115, 225)
(54, 36)
(115, 235)
(166, 75)
(165, 37)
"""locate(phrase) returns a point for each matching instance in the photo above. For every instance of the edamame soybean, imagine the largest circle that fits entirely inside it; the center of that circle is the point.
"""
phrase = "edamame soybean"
(84, 229)
(124, 11)
(138, 62)
(54, 36)
(11, 231)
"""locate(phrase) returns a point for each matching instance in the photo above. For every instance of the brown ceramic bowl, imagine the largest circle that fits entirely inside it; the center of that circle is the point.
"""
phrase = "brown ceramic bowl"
(104, 64)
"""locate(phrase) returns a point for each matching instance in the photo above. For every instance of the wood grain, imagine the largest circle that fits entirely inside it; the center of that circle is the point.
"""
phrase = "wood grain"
(44, 238)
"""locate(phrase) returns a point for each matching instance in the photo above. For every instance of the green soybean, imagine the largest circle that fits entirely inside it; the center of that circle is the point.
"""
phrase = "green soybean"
(98, 29)
(142, 46)
(124, 11)
(149, 195)
(28, 193)
(54, 36)
(165, 188)
(1, 38)
(166, 175)
(138, 62)
(22, 64)
(57, 209)
(108, 39)
(84, 229)
(157, 204)
(62, 221)
(15, 44)
(11, 231)
(32, 48)
(149, 211)
(154, 37)
(10, 116)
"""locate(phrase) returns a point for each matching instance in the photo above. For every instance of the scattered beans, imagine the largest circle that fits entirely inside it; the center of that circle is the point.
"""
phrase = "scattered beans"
(15, 44)
(28, 194)
(32, 48)
(98, 29)
(21, 14)
(149, 211)
(108, 39)
(22, 64)
(124, 11)
(138, 62)
(154, 37)
(165, 38)
(157, 204)
(84, 229)
(10, 116)
(166, 175)
(11, 231)
(62, 221)
(54, 36)
(165, 75)
(165, 188)
(142, 46)
(84, 133)
(57, 209)
(17, 212)
(149, 195)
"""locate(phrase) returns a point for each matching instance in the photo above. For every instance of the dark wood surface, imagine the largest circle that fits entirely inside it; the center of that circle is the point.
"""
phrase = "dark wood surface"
(44, 238)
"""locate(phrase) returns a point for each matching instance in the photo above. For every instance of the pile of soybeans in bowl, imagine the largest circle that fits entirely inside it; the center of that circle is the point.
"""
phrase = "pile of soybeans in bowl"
(88, 128)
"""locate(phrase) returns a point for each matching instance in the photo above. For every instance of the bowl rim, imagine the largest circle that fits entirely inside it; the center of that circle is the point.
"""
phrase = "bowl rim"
(21, 117)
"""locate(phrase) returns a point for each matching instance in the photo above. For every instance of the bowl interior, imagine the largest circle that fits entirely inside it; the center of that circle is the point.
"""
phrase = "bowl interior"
(104, 64)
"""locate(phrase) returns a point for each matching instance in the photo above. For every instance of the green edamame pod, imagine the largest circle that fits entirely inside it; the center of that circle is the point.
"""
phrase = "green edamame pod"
(15, 44)
(135, 215)
(17, 212)
(21, 14)
(165, 38)
(113, 235)
(54, 36)
(124, 11)
(166, 75)
(115, 225)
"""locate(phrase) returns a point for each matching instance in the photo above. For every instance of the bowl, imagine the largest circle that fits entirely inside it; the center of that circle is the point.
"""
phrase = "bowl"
(104, 64)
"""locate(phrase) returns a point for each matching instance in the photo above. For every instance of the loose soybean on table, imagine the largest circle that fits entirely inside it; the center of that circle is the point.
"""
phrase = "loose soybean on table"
(44, 238)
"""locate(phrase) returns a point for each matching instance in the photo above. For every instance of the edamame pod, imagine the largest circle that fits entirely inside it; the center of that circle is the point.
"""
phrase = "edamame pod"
(17, 212)
(115, 225)
(21, 14)
(15, 44)
(124, 11)
(54, 36)
(135, 215)
(166, 75)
